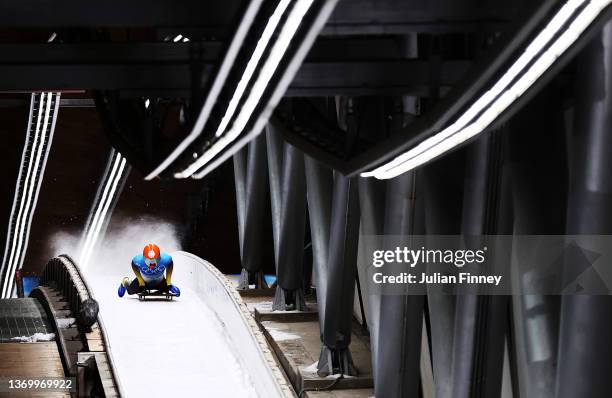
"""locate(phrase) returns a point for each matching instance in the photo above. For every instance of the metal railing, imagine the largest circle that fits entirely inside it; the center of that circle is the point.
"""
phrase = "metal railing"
(62, 274)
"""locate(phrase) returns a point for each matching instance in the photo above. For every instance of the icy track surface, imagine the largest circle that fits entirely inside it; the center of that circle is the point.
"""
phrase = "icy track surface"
(166, 348)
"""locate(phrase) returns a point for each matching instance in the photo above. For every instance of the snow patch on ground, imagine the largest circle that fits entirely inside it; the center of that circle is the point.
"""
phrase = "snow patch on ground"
(279, 335)
(65, 323)
(261, 306)
(312, 369)
(35, 338)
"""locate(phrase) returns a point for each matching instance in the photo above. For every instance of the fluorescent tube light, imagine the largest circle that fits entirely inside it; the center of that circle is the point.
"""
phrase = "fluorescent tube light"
(19, 201)
(270, 65)
(99, 219)
(262, 44)
(218, 83)
(493, 102)
(26, 202)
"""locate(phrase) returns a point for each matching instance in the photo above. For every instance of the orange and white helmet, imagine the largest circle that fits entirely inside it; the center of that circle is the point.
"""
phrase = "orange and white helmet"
(151, 255)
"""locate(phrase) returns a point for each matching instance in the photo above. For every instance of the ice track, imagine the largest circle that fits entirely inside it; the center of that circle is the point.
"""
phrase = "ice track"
(179, 348)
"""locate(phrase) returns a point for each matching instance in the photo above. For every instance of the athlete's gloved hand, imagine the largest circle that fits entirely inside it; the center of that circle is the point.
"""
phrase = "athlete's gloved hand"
(175, 290)
(123, 287)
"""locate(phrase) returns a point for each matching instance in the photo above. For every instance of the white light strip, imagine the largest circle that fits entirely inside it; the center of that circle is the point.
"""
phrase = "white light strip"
(22, 214)
(103, 215)
(36, 184)
(18, 201)
(92, 234)
(91, 227)
(431, 147)
(219, 82)
(23, 217)
(31, 188)
(287, 77)
(48, 135)
(106, 176)
(267, 71)
(262, 44)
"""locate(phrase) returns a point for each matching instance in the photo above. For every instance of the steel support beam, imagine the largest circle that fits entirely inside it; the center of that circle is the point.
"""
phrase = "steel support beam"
(586, 325)
(372, 197)
(539, 194)
(480, 321)
(372, 210)
(376, 77)
(290, 289)
(161, 68)
(341, 261)
(117, 13)
(240, 167)
(364, 17)
(443, 209)
(387, 17)
(401, 316)
(254, 182)
(319, 183)
(275, 175)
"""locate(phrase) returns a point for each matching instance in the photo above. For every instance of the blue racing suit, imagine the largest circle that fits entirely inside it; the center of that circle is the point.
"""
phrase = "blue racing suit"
(151, 278)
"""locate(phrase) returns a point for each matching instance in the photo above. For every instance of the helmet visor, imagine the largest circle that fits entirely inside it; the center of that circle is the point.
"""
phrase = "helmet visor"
(152, 263)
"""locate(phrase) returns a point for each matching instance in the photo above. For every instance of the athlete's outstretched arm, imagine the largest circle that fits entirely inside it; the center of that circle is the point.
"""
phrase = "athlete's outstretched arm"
(169, 273)
(136, 270)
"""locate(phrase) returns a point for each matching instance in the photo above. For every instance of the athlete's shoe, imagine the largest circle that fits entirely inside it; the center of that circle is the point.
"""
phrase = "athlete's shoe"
(175, 290)
(123, 287)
